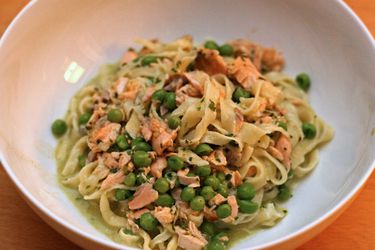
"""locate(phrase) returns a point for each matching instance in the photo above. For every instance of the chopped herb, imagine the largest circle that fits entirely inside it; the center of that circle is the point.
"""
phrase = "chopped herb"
(233, 143)
(136, 59)
(113, 170)
(190, 158)
(78, 198)
(82, 160)
(199, 108)
(190, 67)
(127, 231)
(283, 125)
(212, 106)
(151, 78)
(291, 174)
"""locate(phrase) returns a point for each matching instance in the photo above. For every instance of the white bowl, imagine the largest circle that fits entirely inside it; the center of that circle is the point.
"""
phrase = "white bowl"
(51, 39)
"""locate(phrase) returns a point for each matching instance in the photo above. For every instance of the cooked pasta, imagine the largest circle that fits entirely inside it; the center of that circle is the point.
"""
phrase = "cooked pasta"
(179, 144)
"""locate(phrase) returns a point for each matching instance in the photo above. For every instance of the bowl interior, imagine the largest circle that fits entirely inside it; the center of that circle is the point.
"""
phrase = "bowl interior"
(56, 46)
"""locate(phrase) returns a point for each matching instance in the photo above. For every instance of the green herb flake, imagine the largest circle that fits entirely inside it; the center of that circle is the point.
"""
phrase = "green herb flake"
(212, 106)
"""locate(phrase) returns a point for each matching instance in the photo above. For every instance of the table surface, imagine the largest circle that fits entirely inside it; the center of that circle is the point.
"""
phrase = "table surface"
(354, 229)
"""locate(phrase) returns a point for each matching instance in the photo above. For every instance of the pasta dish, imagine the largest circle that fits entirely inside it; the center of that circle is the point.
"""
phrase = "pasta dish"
(179, 145)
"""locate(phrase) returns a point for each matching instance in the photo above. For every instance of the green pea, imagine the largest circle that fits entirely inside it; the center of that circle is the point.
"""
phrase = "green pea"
(245, 191)
(187, 194)
(147, 60)
(203, 149)
(208, 228)
(212, 181)
(141, 159)
(215, 245)
(223, 211)
(220, 176)
(240, 93)
(130, 180)
(203, 171)
(115, 115)
(284, 193)
(165, 200)
(174, 122)
(122, 194)
(197, 204)
(159, 95)
(82, 160)
(283, 125)
(226, 50)
(84, 118)
(122, 142)
(210, 44)
(223, 190)
(148, 222)
(309, 130)
(141, 146)
(161, 185)
(207, 193)
(175, 163)
(303, 81)
(247, 207)
(59, 127)
(170, 101)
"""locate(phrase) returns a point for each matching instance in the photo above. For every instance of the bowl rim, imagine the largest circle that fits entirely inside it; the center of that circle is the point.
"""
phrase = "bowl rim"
(109, 243)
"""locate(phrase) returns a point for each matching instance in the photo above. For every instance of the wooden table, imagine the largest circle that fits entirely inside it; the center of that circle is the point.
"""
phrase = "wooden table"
(21, 228)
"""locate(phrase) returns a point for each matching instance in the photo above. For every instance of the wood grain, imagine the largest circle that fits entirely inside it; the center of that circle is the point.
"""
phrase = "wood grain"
(21, 228)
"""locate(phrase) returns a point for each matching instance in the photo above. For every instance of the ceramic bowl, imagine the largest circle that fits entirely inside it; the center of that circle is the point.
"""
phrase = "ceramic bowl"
(53, 47)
